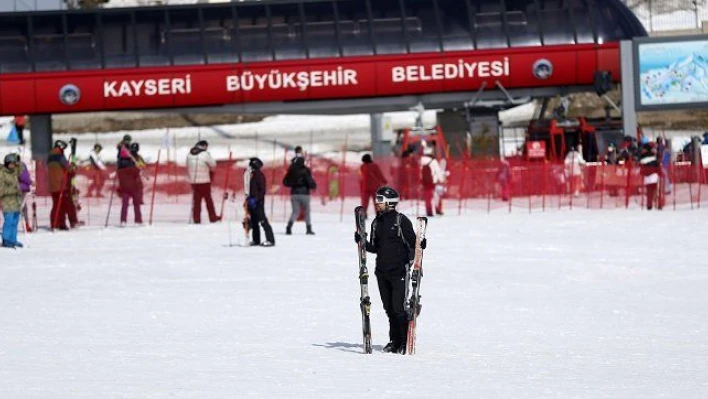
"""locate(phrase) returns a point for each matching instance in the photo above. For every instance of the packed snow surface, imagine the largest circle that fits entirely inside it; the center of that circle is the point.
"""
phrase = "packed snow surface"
(562, 304)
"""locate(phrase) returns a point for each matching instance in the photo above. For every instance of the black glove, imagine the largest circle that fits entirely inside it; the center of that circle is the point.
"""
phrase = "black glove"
(357, 237)
(423, 243)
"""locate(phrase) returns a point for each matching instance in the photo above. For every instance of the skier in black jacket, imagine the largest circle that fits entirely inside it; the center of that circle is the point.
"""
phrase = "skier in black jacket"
(299, 179)
(256, 205)
(392, 240)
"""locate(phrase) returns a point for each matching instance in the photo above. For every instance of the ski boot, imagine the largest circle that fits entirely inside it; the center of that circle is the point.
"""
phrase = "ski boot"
(390, 347)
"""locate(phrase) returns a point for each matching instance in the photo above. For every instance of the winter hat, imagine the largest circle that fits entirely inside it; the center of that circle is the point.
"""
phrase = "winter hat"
(202, 145)
(127, 138)
(255, 163)
(135, 147)
(10, 158)
(366, 158)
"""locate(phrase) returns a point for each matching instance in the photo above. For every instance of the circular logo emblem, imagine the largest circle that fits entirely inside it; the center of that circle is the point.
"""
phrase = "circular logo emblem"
(542, 69)
(69, 94)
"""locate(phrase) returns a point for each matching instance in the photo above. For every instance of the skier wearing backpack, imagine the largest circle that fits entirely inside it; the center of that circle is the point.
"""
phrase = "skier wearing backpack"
(392, 239)
(299, 179)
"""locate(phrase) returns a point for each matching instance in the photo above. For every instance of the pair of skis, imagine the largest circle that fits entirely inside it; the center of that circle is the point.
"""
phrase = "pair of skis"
(413, 278)
(364, 299)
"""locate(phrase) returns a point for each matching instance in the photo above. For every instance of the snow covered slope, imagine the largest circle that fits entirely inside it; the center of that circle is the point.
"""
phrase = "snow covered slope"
(554, 305)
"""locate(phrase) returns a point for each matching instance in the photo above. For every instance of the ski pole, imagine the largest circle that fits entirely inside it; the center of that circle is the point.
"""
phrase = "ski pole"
(25, 236)
(110, 200)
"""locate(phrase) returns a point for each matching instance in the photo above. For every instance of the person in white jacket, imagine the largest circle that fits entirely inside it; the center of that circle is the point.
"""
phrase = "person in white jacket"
(98, 170)
(433, 178)
(200, 169)
(574, 168)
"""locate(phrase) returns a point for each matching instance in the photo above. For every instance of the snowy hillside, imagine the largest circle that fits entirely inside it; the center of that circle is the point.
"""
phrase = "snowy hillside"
(553, 305)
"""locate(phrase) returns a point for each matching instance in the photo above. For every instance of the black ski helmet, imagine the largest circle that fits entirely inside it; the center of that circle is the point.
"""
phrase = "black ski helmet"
(134, 147)
(387, 195)
(255, 163)
(60, 144)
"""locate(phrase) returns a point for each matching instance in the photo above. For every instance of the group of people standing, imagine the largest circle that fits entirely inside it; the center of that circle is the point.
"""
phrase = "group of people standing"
(62, 171)
(429, 172)
(201, 168)
(301, 183)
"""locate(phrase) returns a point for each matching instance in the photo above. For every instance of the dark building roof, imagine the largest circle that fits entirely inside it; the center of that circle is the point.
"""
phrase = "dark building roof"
(289, 29)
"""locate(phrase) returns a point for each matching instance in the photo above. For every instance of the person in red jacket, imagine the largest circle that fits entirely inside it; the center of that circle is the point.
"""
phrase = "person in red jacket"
(19, 122)
(370, 179)
(60, 173)
(130, 186)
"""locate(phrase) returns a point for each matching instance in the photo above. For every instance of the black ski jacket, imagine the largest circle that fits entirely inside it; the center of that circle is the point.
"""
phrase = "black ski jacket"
(299, 178)
(392, 242)
(257, 187)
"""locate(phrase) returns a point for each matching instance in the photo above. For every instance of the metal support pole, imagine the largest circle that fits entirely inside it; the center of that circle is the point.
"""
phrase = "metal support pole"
(41, 136)
(629, 114)
(379, 147)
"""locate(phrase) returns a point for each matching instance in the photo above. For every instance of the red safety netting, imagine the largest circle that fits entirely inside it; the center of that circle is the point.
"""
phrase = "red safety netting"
(472, 185)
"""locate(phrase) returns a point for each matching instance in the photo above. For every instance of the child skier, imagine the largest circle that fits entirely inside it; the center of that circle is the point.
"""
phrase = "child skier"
(392, 240)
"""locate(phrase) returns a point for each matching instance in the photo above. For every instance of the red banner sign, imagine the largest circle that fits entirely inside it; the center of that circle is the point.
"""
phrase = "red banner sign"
(355, 77)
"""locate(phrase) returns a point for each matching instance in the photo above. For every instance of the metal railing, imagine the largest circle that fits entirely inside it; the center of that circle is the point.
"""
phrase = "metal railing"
(663, 15)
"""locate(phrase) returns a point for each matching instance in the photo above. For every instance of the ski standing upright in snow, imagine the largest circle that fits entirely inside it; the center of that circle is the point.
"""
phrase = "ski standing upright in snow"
(365, 300)
(415, 276)
(74, 193)
(34, 212)
(246, 218)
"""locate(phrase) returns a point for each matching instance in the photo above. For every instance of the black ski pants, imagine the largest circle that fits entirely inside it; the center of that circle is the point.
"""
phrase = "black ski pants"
(258, 219)
(392, 287)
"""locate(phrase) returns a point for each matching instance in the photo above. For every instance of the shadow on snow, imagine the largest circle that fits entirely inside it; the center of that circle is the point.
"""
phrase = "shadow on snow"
(347, 347)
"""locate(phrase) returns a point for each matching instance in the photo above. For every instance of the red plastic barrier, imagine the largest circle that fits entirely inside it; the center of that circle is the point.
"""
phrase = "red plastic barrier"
(472, 185)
